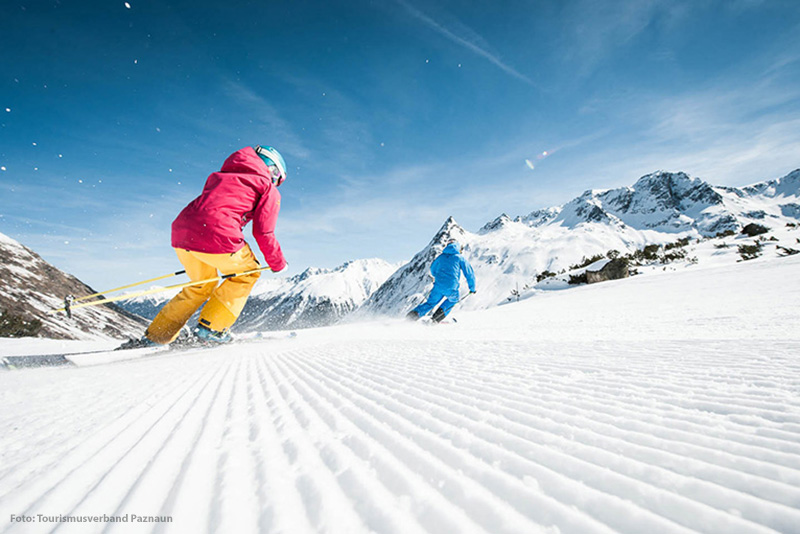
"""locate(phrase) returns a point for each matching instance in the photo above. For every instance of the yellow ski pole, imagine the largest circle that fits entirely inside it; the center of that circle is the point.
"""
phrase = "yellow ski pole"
(127, 286)
(69, 306)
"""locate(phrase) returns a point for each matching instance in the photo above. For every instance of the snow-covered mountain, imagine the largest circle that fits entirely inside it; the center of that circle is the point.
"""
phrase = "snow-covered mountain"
(316, 297)
(30, 287)
(677, 203)
(660, 208)
(147, 306)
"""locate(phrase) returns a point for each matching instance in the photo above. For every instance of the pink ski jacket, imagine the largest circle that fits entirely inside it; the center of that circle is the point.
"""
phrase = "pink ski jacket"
(240, 192)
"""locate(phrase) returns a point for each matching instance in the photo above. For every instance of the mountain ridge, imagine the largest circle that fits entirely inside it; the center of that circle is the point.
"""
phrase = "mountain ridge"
(31, 287)
(659, 208)
(507, 254)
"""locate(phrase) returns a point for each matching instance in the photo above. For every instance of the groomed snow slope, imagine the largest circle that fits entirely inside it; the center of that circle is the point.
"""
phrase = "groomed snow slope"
(661, 403)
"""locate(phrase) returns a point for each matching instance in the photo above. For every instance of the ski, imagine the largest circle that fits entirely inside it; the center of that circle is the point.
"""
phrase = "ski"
(79, 358)
(43, 360)
(66, 358)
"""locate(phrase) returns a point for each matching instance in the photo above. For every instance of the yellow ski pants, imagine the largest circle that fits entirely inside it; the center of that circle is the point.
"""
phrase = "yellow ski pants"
(225, 302)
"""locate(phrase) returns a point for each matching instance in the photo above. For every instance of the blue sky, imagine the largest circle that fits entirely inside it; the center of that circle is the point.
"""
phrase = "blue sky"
(392, 115)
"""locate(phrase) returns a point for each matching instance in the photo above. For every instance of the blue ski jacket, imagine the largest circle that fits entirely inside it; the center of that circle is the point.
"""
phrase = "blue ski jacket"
(447, 269)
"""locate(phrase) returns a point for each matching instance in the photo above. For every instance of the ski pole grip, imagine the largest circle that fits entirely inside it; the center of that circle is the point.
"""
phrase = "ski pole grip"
(234, 275)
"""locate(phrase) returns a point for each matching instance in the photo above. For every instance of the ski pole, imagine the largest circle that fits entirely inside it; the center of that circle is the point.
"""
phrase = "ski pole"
(70, 299)
(68, 307)
(127, 286)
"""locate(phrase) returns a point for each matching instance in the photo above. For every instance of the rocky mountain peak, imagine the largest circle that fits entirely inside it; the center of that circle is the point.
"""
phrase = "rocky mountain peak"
(449, 230)
(674, 191)
(540, 217)
(501, 222)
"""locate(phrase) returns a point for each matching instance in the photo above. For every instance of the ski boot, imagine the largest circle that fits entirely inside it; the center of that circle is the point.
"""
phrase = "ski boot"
(412, 316)
(206, 336)
(438, 315)
(141, 343)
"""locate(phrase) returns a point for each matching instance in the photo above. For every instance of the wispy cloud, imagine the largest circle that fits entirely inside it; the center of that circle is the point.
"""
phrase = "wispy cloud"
(785, 55)
(467, 38)
(266, 117)
(592, 31)
(344, 133)
(726, 133)
(738, 133)
(341, 137)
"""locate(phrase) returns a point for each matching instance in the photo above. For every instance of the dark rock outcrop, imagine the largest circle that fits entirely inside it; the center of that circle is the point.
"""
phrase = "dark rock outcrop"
(613, 270)
(754, 229)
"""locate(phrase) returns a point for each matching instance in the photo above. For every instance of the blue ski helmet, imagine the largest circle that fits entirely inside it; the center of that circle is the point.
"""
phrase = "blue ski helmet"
(273, 158)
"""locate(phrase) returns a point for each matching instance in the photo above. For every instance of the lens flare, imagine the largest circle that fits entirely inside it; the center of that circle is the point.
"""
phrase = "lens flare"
(540, 156)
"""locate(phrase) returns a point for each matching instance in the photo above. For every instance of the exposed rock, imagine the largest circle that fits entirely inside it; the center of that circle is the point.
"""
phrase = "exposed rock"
(754, 229)
(613, 270)
(500, 222)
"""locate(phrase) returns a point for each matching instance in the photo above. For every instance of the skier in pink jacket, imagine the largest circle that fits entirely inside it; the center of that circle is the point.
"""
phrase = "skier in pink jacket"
(207, 237)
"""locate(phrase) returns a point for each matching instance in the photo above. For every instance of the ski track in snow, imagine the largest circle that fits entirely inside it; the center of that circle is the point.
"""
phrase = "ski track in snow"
(421, 430)
(462, 437)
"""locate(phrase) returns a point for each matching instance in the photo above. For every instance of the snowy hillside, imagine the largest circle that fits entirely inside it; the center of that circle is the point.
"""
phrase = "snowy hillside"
(664, 403)
(30, 287)
(660, 208)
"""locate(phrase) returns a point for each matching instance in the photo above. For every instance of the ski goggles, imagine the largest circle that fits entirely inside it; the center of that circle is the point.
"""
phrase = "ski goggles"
(273, 160)
(277, 177)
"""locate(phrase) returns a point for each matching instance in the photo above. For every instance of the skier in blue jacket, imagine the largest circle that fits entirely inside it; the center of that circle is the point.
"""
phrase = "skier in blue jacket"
(446, 270)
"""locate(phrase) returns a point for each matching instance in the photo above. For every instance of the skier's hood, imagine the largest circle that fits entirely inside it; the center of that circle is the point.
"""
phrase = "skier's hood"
(452, 248)
(245, 161)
